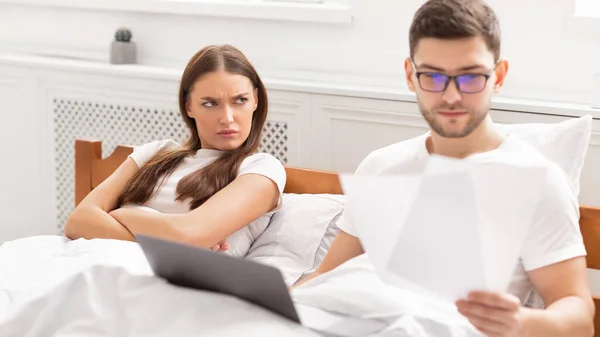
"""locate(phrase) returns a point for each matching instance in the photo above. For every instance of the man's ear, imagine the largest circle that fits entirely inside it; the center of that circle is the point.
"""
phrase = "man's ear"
(500, 72)
(409, 71)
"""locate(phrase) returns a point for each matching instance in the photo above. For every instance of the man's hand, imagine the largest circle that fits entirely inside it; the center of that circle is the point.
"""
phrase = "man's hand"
(494, 314)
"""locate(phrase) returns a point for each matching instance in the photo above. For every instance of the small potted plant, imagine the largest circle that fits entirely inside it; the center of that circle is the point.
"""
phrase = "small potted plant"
(122, 50)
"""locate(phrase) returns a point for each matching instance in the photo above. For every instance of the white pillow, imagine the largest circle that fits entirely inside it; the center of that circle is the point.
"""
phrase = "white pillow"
(565, 143)
(295, 233)
(330, 234)
(241, 241)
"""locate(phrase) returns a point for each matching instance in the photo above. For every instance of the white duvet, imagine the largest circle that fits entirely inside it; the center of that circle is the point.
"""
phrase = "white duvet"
(51, 286)
(353, 290)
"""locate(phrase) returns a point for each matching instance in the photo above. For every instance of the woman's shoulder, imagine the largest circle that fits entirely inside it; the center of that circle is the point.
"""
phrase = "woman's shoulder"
(262, 158)
(142, 153)
(264, 164)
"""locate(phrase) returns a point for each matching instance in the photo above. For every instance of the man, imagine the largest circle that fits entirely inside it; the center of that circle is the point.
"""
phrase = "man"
(454, 68)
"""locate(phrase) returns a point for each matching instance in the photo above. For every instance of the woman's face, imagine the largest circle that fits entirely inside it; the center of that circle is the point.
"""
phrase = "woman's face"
(222, 105)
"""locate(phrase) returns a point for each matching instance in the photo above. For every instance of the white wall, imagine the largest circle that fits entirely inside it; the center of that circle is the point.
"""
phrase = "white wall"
(549, 61)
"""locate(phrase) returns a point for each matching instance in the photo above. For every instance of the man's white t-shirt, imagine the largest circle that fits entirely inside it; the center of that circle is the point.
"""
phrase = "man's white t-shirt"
(164, 201)
(553, 237)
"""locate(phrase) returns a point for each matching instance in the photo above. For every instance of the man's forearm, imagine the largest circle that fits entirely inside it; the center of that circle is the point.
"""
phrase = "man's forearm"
(565, 317)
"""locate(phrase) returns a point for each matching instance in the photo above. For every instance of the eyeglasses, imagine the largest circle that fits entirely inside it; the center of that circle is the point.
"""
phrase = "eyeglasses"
(438, 82)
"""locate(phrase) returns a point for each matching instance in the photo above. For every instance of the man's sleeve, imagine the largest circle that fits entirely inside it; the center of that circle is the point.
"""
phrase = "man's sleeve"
(555, 235)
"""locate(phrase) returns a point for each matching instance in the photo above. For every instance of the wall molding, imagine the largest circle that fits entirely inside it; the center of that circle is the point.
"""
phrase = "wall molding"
(330, 12)
(374, 116)
(111, 93)
(282, 107)
(55, 51)
(387, 93)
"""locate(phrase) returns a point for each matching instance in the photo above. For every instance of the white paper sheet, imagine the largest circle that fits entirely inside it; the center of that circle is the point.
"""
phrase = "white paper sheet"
(455, 228)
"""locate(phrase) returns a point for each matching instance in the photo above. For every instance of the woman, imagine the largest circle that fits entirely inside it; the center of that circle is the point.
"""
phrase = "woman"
(205, 190)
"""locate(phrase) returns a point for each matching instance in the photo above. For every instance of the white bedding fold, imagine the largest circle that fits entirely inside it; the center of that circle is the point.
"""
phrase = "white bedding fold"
(109, 301)
(354, 290)
(53, 286)
(33, 265)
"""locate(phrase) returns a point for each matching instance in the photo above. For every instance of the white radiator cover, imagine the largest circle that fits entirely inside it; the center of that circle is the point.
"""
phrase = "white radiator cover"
(117, 123)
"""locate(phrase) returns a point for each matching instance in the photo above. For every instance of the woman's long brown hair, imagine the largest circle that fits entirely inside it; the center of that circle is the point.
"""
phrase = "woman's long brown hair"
(200, 185)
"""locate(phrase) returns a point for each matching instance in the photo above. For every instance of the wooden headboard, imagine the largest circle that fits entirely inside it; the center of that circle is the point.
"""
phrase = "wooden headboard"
(91, 170)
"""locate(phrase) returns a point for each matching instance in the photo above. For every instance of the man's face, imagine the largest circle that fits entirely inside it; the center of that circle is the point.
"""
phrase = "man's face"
(454, 111)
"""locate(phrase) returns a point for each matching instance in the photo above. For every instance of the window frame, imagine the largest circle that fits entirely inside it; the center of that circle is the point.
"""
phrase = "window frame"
(585, 18)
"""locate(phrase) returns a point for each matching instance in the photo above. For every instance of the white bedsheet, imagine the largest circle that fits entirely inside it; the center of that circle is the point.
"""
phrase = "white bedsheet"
(33, 265)
(51, 286)
(109, 301)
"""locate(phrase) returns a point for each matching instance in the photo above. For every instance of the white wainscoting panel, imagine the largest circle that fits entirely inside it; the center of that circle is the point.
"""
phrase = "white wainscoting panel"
(20, 173)
(286, 134)
(347, 129)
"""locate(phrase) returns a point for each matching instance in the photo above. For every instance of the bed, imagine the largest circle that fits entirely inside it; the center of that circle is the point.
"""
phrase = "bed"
(128, 287)
(91, 169)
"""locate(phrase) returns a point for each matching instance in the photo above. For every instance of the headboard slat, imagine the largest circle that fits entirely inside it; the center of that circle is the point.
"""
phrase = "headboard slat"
(103, 168)
(86, 153)
(303, 181)
(589, 222)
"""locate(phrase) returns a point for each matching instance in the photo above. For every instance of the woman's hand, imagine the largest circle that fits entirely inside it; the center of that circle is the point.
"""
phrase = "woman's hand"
(220, 247)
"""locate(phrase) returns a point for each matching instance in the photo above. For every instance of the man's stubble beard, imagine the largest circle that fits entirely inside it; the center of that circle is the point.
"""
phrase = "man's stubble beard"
(475, 119)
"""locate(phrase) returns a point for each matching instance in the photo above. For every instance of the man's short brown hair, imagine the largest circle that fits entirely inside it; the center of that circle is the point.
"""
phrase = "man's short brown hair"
(455, 19)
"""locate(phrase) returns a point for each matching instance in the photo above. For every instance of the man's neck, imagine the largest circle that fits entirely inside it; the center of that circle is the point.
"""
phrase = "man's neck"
(483, 139)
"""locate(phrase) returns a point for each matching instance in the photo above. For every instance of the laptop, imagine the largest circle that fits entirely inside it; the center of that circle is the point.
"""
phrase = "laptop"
(202, 269)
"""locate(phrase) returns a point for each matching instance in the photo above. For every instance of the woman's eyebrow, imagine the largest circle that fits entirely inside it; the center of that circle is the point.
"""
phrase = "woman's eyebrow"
(208, 98)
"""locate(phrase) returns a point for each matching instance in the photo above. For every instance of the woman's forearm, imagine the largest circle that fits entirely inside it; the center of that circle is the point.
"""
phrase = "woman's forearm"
(173, 227)
(155, 224)
(94, 223)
